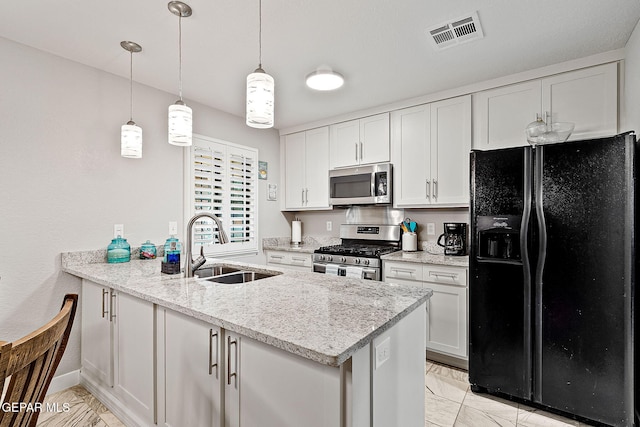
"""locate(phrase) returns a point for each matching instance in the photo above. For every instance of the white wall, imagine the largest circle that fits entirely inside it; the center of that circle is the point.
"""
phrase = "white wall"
(631, 119)
(63, 183)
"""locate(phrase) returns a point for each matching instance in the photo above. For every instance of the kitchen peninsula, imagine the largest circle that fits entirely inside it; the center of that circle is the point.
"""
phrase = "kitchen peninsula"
(291, 349)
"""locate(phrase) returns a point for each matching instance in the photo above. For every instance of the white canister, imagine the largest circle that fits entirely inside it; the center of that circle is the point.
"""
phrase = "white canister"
(409, 242)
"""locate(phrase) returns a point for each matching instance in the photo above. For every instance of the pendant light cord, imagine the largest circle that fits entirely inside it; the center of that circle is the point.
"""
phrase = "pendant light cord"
(131, 85)
(260, 36)
(180, 56)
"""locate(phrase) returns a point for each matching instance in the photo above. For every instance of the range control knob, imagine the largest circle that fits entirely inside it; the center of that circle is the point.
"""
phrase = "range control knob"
(366, 262)
(343, 259)
(320, 257)
(329, 258)
(358, 260)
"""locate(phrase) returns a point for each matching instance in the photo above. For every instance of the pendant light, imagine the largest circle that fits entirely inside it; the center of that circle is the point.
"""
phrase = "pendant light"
(180, 115)
(130, 133)
(260, 92)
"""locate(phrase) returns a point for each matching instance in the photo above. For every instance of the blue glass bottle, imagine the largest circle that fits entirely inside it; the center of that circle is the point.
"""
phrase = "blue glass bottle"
(118, 251)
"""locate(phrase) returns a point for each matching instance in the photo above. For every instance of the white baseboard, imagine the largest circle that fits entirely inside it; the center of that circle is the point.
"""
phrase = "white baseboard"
(61, 382)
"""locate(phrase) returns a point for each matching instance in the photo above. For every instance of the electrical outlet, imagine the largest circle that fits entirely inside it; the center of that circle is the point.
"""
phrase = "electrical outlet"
(118, 230)
(383, 352)
(329, 225)
(173, 228)
(431, 229)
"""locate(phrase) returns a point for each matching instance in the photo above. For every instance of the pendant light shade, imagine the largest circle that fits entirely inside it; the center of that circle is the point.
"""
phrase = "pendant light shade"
(180, 118)
(260, 96)
(130, 133)
(131, 141)
(260, 92)
(180, 124)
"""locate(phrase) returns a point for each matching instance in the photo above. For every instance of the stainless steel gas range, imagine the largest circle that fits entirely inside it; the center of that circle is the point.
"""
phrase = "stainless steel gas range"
(359, 253)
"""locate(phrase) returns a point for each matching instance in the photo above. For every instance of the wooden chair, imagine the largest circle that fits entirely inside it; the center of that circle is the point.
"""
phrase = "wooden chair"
(29, 365)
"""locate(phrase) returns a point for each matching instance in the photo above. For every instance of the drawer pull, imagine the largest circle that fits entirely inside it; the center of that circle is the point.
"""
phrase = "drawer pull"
(276, 256)
(402, 270)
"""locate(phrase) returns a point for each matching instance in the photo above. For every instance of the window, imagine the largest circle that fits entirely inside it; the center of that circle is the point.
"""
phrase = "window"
(222, 180)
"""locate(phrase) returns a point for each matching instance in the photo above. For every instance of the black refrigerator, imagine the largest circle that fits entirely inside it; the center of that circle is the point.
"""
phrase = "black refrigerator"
(552, 271)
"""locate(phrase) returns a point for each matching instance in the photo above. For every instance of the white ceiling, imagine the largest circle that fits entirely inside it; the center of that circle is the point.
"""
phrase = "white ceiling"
(380, 46)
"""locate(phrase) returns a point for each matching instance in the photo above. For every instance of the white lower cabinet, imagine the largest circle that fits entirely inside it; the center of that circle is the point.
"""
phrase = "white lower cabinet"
(166, 368)
(293, 260)
(447, 325)
(118, 359)
(268, 387)
(190, 385)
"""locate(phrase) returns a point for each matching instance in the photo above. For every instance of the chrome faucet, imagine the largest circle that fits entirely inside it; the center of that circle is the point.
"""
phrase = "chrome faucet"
(190, 266)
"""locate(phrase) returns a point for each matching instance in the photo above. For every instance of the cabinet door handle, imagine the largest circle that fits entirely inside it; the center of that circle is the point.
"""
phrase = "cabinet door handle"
(302, 197)
(428, 189)
(402, 271)
(104, 312)
(111, 306)
(361, 150)
(235, 373)
(356, 151)
(212, 363)
(306, 196)
(435, 189)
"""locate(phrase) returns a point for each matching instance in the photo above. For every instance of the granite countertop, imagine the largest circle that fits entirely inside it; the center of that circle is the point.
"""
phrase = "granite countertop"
(430, 253)
(308, 244)
(427, 258)
(316, 316)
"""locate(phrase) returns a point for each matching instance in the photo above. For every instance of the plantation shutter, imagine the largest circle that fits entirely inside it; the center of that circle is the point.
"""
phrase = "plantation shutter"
(223, 181)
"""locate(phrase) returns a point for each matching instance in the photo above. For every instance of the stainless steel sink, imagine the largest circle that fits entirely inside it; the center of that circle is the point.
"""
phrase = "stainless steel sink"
(215, 270)
(228, 274)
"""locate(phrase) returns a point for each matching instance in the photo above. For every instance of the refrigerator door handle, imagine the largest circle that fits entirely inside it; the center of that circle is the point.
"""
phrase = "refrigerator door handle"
(542, 254)
(526, 263)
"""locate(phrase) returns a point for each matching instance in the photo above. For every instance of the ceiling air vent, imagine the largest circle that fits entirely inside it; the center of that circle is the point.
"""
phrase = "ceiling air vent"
(455, 32)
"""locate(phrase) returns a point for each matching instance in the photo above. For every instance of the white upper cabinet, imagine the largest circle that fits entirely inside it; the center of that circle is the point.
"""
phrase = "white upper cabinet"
(430, 153)
(362, 141)
(501, 115)
(588, 98)
(450, 148)
(306, 169)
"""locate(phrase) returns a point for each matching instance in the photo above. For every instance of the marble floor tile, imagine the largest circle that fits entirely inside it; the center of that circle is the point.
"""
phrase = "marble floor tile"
(530, 417)
(493, 406)
(446, 386)
(440, 411)
(472, 417)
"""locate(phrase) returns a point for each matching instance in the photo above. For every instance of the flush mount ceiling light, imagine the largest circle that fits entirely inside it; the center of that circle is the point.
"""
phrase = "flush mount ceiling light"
(260, 92)
(324, 79)
(130, 133)
(180, 116)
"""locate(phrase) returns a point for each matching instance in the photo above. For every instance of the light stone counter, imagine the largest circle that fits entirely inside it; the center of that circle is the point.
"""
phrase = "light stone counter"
(431, 253)
(320, 317)
(308, 244)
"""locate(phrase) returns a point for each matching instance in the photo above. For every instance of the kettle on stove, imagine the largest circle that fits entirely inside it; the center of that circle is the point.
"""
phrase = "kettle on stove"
(455, 238)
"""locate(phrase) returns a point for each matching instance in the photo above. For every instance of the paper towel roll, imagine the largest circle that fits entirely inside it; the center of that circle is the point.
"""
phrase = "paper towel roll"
(296, 231)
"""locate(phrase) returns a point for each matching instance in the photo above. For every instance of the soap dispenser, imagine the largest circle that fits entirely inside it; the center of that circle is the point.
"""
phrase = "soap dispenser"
(171, 260)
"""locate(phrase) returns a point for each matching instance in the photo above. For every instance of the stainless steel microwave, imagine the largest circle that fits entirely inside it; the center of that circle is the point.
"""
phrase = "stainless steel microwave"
(361, 185)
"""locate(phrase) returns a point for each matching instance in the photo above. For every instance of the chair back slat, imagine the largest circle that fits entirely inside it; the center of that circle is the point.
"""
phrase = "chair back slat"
(30, 363)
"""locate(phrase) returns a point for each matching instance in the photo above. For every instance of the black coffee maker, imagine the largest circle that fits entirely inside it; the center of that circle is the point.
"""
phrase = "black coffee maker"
(455, 238)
